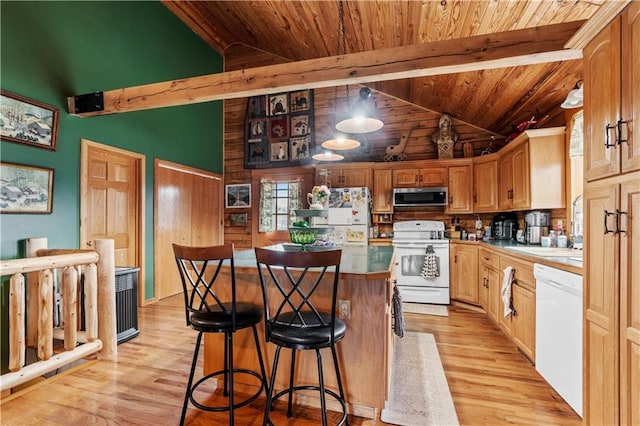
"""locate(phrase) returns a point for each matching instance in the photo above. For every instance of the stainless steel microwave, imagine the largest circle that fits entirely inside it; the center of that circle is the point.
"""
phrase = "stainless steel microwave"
(420, 197)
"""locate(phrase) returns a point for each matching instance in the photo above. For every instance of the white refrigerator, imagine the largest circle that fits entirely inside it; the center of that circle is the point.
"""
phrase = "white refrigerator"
(349, 216)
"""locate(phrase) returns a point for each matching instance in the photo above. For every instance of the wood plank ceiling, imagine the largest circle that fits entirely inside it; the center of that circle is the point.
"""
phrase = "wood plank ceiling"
(483, 104)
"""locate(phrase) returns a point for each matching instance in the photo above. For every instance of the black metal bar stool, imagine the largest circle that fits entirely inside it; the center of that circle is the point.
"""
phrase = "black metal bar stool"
(207, 313)
(296, 319)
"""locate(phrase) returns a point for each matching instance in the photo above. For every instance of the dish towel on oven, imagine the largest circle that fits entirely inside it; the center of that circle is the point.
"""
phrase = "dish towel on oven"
(506, 290)
(430, 267)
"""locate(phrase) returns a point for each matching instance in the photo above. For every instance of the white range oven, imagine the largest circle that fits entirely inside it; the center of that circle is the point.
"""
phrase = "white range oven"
(422, 261)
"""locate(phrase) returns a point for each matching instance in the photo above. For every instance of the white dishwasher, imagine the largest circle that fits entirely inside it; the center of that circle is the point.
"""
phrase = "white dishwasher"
(559, 332)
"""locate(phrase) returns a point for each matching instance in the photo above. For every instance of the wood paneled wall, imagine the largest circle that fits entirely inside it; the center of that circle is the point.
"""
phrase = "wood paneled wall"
(399, 117)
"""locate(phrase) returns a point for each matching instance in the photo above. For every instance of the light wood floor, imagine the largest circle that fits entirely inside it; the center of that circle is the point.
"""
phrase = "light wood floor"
(491, 383)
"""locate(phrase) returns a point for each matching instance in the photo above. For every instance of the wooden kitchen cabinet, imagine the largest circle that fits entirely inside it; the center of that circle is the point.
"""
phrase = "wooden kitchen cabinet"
(532, 171)
(485, 184)
(417, 178)
(521, 195)
(382, 198)
(521, 324)
(460, 189)
(611, 357)
(464, 273)
(346, 175)
(523, 320)
(612, 220)
(489, 283)
(612, 102)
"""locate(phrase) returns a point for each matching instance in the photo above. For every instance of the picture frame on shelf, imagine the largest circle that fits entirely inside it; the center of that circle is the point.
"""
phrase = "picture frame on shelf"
(25, 189)
(237, 195)
(28, 122)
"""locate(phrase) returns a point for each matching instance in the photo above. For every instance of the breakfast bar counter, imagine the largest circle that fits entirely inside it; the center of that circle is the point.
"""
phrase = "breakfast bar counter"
(365, 352)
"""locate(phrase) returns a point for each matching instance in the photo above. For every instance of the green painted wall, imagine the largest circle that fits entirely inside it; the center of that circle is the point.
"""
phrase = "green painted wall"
(51, 50)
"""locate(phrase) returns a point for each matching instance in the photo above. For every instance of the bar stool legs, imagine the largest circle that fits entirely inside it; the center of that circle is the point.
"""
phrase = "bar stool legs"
(228, 378)
(321, 388)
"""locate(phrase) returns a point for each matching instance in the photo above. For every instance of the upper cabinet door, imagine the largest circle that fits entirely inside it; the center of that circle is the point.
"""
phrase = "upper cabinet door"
(485, 187)
(630, 150)
(382, 191)
(602, 103)
(405, 178)
(521, 197)
(460, 189)
(434, 176)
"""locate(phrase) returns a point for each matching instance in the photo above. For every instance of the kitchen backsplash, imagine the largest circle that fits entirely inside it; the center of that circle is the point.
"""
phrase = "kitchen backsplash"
(468, 221)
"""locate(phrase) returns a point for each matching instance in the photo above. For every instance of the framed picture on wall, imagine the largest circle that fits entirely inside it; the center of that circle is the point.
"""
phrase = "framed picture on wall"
(27, 122)
(238, 196)
(25, 189)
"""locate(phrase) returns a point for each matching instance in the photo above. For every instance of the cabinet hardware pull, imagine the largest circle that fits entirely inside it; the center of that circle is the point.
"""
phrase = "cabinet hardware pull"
(455, 258)
(451, 199)
(606, 132)
(606, 230)
(620, 123)
(486, 258)
(475, 198)
(618, 230)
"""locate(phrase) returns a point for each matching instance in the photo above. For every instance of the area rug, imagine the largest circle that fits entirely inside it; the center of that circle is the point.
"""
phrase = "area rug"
(419, 394)
(421, 308)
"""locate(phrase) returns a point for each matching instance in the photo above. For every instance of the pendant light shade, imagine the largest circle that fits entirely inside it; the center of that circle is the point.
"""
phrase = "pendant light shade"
(340, 143)
(574, 98)
(327, 156)
(360, 118)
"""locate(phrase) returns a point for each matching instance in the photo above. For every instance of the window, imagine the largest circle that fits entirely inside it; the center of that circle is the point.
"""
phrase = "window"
(278, 200)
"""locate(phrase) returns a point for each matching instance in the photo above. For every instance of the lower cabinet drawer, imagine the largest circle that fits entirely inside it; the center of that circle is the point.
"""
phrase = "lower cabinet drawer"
(489, 258)
(523, 270)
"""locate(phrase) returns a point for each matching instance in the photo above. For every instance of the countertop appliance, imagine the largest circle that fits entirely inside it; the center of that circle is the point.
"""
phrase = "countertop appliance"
(504, 226)
(422, 261)
(536, 225)
(349, 216)
(559, 332)
(420, 197)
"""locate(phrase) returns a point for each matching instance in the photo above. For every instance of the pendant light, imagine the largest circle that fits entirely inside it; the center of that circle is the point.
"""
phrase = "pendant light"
(340, 141)
(574, 98)
(327, 156)
(360, 118)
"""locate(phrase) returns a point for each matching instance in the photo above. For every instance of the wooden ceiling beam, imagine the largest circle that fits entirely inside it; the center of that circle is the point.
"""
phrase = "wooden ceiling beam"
(499, 50)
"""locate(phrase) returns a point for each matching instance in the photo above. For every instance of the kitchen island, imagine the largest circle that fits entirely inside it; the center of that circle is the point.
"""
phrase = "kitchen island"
(365, 352)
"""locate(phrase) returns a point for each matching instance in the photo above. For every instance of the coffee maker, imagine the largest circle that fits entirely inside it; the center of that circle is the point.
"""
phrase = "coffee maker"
(536, 225)
(504, 226)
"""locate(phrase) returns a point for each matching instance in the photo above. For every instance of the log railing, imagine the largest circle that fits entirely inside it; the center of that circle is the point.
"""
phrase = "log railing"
(31, 305)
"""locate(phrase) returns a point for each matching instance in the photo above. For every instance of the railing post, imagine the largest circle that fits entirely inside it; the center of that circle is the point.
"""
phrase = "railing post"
(16, 323)
(91, 301)
(33, 285)
(45, 314)
(107, 326)
(70, 307)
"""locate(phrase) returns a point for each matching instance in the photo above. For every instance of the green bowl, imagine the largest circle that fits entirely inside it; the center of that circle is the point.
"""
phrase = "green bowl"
(302, 235)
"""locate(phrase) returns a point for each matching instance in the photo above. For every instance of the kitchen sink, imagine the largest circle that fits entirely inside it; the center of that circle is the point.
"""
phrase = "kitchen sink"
(548, 251)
